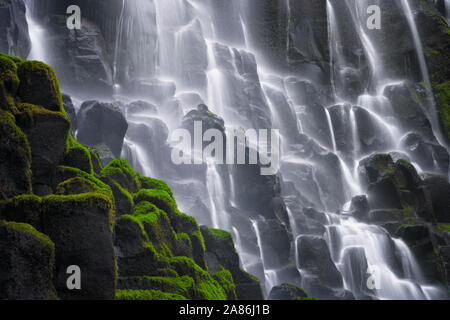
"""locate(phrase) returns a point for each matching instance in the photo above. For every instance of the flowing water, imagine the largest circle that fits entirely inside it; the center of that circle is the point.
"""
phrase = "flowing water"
(203, 51)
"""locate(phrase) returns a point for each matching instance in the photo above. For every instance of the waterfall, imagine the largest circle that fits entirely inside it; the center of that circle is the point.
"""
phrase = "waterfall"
(447, 10)
(37, 36)
(177, 55)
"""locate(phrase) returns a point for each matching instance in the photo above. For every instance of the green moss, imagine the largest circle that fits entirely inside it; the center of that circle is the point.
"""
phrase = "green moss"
(78, 156)
(95, 159)
(149, 183)
(78, 185)
(207, 287)
(184, 286)
(225, 279)
(15, 155)
(26, 228)
(67, 173)
(219, 235)
(87, 200)
(307, 299)
(23, 208)
(123, 199)
(442, 92)
(120, 171)
(39, 85)
(146, 295)
(444, 227)
(8, 73)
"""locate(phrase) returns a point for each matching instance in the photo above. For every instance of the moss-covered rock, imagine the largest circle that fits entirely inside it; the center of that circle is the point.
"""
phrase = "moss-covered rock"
(78, 156)
(120, 171)
(27, 263)
(225, 279)
(24, 208)
(287, 291)
(221, 253)
(146, 295)
(442, 92)
(8, 74)
(15, 158)
(81, 228)
(47, 134)
(39, 85)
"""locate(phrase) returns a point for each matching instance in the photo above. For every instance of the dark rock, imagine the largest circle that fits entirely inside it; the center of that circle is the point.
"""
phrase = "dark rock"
(101, 123)
(47, 135)
(360, 208)
(355, 263)
(384, 216)
(141, 107)
(15, 158)
(418, 239)
(220, 251)
(439, 189)
(14, 38)
(314, 257)
(39, 85)
(81, 228)
(70, 111)
(274, 242)
(287, 292)
(27, 264)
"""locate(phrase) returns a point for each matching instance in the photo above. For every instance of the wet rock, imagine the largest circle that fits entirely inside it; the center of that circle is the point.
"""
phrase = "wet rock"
(355, 263)
(70, 111)
(439, 189)
(101, 123)
(14, 38)
(314, 257)
(220, 251)
(429, 156)
(360, 208)
(274, 242)
(287, 292)
(141, 107)
(418, 239)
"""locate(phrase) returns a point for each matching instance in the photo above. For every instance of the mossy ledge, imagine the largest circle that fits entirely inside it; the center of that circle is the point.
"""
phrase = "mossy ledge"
(123, 230)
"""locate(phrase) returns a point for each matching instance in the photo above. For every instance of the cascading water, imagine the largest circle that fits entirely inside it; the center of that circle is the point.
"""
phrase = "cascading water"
(186, 26)
(37, 36)
(183, 53)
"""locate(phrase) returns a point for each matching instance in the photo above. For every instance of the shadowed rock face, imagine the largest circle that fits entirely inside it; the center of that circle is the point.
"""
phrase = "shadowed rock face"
(14, 38)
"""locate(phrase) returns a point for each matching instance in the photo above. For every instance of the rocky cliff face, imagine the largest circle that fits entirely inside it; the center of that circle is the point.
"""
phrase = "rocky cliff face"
(60, 207)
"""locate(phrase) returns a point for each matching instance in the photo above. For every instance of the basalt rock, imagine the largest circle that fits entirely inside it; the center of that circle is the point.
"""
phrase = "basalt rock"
(102, 123)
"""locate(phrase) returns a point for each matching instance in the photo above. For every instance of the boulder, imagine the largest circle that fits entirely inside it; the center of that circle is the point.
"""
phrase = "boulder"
(15, 158)
(47, 133)
(359, 208)
(439, 189)
(27, 264)
(287, 291)
(81, 228)
(314, 257)
(101, 123)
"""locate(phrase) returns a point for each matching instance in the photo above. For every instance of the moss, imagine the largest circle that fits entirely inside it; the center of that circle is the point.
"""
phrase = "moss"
(95, 159)
(39, 85)
(120, 171)
(442, 92)
(444, 227)
(146, 295)
(123, 199)
(184, 286)
(225, 279)
(78, 156)
(8, 74)
(207, 287)
(78, 185)
(26, 228)
(67, 173)
(219, 235)
(23, 208)
(66, 203)
(149, 183)
(15, 158)
(307, 299)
